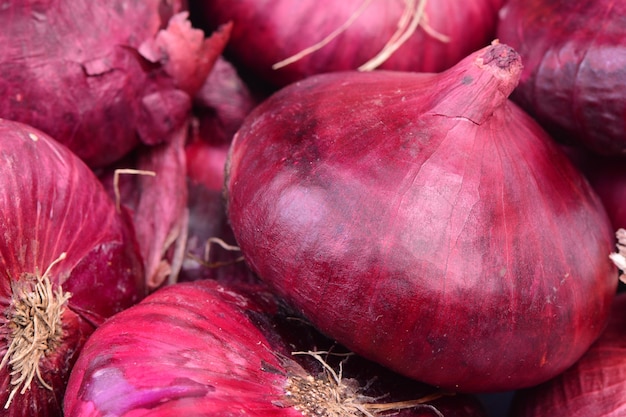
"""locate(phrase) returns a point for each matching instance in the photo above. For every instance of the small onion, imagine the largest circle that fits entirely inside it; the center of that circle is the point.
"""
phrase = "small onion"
(350, 33)
(68, 261)
(206, 349)
(594, 386)
(574, 56)
(425, 222)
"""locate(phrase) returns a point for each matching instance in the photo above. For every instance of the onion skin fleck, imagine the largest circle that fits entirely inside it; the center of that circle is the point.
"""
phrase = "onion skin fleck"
(574, 56)
(425, 222)
(594, 386)
(51, 203)
(266, 32)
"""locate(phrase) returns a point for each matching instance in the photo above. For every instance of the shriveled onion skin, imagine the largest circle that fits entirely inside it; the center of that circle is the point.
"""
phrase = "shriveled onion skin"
(100, 77)
(574, 56)
(268, 31)
(50, 203)
(425, 222)
(593, 387)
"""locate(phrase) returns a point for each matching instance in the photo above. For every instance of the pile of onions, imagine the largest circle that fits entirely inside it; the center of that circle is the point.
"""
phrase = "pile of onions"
(206, 349)
(425, 222)
(312, 36)
(594, 386)
(102, 77)
(574, 56)
(68, 260)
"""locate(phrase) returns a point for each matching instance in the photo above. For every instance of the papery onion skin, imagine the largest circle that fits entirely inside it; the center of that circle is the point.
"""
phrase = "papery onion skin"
(266, 32)
(100, 77)
(425, 222)
(206, 349)
(594, 386)
(574, 68)
(51, 203)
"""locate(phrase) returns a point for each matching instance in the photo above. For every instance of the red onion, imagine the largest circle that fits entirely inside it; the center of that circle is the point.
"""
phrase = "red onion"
(425, 222)
(205, 349)
(68, 261)
(100, 77)
(268, 32)
(574, 68)
(594, 386)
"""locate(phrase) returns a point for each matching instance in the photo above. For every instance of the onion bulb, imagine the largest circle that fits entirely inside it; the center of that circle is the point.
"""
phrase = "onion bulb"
(282, 41)
(208, 349)
(425, 222)
(574, 56)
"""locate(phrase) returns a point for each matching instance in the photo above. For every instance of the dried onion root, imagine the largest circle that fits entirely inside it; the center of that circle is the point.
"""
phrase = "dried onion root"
(35, 326)
(330, 395)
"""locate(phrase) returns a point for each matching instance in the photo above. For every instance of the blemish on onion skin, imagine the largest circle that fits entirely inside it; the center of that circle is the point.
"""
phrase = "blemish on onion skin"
(33, 137)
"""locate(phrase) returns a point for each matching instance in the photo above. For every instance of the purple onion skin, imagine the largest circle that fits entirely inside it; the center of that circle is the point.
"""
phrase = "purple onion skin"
(52, 203)
(207, 349)
(187, 349)
(574, 68)
(593, 387)
(85, 74)
(266, 32)
(425, 222)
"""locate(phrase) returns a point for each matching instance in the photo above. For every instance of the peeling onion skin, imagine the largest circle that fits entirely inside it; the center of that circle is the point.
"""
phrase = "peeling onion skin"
(594, 386)
(50, 203)
(100, 77)
(425, 222)
(574, 56)
(268, 31)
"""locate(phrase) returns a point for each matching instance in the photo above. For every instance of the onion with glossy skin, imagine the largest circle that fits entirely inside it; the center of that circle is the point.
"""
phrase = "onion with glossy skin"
(593, 387)
(574, 56)
(267, 32)
(68, 261)
(425, 222)
(102, 77)
(207, 349)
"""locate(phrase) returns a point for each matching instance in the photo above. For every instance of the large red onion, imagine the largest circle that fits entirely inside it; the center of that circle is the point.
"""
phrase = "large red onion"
(101, 77)
(267, 32)
(205, 349)
(594, 386)
(425, 222)
(68, 261)
(574, 56)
